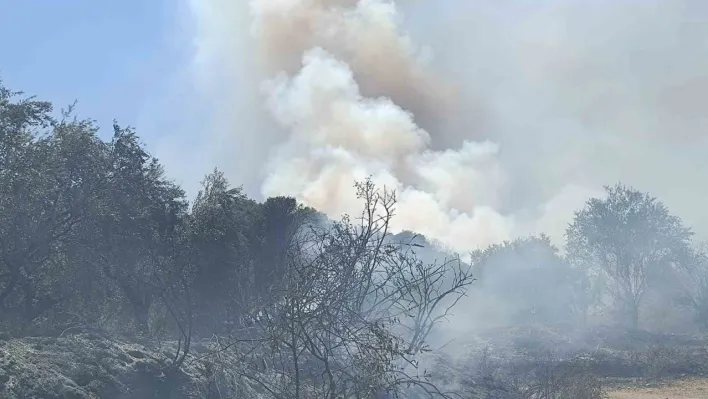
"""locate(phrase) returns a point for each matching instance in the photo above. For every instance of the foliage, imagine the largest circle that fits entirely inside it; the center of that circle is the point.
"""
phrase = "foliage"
(629, 237)
(694, 283)
(530, 277)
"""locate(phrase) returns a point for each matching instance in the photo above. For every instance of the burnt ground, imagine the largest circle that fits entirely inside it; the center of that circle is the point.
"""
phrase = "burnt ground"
(508, 363)
(496, 364)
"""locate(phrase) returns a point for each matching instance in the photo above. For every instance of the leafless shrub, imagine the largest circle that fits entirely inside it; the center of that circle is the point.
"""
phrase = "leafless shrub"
(353, 311)
(548, 377)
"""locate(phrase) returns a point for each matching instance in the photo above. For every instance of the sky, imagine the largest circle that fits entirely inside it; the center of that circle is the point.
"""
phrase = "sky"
(106, 54)
(126, 60)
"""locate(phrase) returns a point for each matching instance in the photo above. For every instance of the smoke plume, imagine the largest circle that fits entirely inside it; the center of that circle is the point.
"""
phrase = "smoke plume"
(489, 119)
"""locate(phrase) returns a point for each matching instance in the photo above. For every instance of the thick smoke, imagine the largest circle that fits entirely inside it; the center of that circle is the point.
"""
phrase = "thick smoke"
(348, 88)
(490, 119)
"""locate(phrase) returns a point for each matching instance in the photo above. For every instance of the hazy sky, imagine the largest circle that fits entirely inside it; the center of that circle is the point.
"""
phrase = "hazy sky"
(576, 93)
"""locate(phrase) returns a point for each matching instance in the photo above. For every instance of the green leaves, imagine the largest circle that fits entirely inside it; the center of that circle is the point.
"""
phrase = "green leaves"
(46, 181)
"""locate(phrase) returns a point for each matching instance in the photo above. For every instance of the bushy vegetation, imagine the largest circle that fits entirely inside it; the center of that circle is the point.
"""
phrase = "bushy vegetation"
(94, 238)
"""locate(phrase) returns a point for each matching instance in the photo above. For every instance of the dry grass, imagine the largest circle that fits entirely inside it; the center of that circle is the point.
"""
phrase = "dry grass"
(694, 388)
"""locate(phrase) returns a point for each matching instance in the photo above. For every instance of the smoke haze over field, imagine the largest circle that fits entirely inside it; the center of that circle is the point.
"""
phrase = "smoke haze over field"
(490, 119)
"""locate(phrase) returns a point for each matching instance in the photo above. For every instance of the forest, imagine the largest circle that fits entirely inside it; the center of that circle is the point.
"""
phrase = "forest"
(224, 296)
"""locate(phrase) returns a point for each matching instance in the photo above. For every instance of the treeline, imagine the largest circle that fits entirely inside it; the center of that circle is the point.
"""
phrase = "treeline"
(93, 233)
(95, 239)
(627, 260)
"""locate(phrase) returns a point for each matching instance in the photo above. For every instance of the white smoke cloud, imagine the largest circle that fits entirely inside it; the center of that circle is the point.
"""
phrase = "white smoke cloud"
(338, 136)
(490, 119)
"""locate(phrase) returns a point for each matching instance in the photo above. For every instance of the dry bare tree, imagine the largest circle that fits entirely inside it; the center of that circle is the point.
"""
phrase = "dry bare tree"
(353, 311)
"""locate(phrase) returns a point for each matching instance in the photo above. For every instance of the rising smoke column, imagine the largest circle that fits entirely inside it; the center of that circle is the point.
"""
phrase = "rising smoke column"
(576, 94)
(349, 89)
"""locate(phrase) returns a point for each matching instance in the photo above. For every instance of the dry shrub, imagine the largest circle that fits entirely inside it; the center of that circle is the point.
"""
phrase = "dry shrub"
(660, 361)
(548, 377)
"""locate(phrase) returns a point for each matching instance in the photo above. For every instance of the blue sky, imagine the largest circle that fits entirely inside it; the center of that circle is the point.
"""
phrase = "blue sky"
(128, 60)
(117, 58)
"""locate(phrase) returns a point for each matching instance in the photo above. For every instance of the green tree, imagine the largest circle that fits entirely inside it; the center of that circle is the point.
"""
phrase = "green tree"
(627, 236)
(49, 172)
(281, 220)
(136, 224)
(223, 237)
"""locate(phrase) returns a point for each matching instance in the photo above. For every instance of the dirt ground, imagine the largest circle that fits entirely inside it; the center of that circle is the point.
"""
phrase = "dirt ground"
(684, 389)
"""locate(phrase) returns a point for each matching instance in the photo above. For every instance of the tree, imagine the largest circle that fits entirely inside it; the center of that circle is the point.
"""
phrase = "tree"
(528, 278)
(282, 218)
(47, 181)
(223, 236)
(627, 236)
(693, 276)
(354, 310)
(136, 223)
